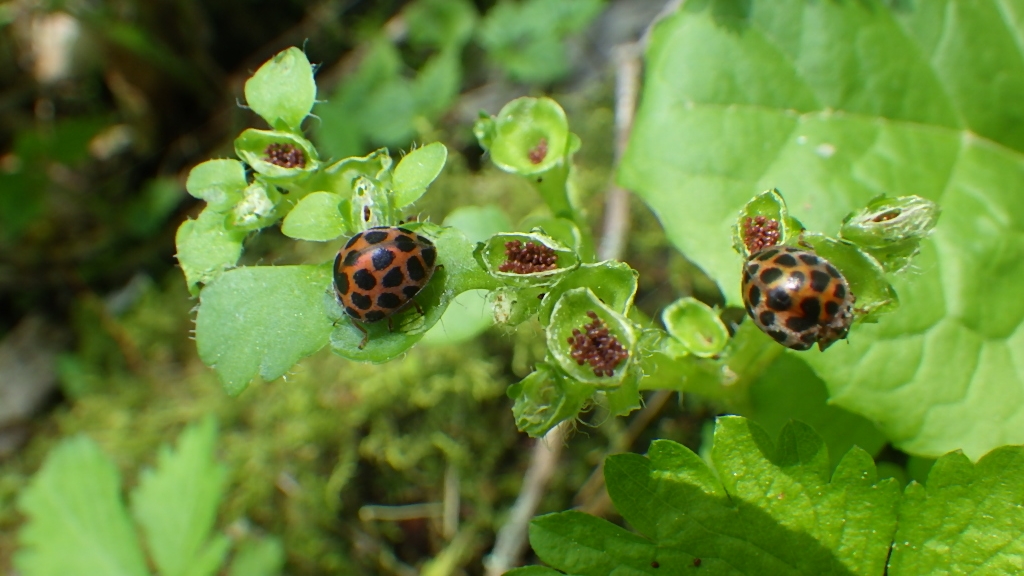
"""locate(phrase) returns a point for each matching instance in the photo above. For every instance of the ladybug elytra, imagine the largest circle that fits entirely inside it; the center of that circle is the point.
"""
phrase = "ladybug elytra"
(797, 297)
(380, 270)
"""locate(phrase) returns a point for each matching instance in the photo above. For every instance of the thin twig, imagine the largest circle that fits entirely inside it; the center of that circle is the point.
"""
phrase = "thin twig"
(616, 208)
(511, 539)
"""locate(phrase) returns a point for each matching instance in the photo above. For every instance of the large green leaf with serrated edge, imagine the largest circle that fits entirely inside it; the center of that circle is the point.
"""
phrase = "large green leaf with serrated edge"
(262, 320)
(176, 505)
(771, 509)
(834, 103)
(77, 523)
(968, 519)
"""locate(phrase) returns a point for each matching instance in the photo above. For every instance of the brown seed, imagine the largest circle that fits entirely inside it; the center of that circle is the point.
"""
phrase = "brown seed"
(285, 155)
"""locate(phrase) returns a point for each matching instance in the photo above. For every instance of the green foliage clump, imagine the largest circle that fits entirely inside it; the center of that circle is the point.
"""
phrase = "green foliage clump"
(77, 521)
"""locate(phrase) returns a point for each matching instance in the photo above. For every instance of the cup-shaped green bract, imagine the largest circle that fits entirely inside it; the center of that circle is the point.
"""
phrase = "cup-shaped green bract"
(218, 182)
(590, 341)
(545, 398)
(279, 157)
(283, 91)
(257, 207)
(514, 306)
(696, 326)
(563, 230)
(371, 204)
(873, 294)
(527, 137)
(613, 282)
(891, 229)
(764, 221)
(521, 259)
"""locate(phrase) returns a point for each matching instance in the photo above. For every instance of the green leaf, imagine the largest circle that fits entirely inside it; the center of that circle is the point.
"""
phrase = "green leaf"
(791, 94)
(579, 543)
(440, 23)
(774, 511)
(469, 315)
(176, 505)
(219, 182)
(873, 292)
(478, 223)
(206, 248)
(262, 320)
(316, 217)
(258, 557)
(967, 519)
(533, 571)
(282, 91)
(614, 283)
(77, 523)
(789, 390)
(416, 171)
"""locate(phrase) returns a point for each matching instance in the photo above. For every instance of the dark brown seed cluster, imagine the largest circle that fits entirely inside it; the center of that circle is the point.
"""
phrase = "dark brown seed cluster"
(886, 216)
(539, 152)
(520, 259)
(285, 155)
(760, 233)
(596, 345)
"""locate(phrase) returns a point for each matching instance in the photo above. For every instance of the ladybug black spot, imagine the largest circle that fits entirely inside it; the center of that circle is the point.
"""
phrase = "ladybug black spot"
(831, 308)
(832, 271)
(350, 258)
(382, 258)
(375, 316)
(770, 275)
(754, 296)
(393, 278)
(429, 256)
(767, 254)
(364, 279)
(819, 280)
(405, 243)
(766, 318)
(811, 308)
(404, 230)
(353, 312)
(800, 323)
(840, 291)
(779, 300)
(786, 260)
(362, 301)
(796, 280)
(341, 282)
(778, 335)
(410, 291)
(389, 300)
(352, 241)
(809, 259)
(375, 236)
(415, 269)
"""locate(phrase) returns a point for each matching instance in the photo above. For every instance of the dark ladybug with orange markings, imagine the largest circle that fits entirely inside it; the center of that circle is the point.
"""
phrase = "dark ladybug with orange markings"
(380, 270)
(797, 297)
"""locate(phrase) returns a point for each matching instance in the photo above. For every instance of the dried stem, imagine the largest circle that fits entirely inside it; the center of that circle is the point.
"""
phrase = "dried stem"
(511, 539)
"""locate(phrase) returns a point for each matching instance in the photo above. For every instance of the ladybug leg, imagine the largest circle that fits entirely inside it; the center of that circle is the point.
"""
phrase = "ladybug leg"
(366, 335)
(391, 324)
(417, 306)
